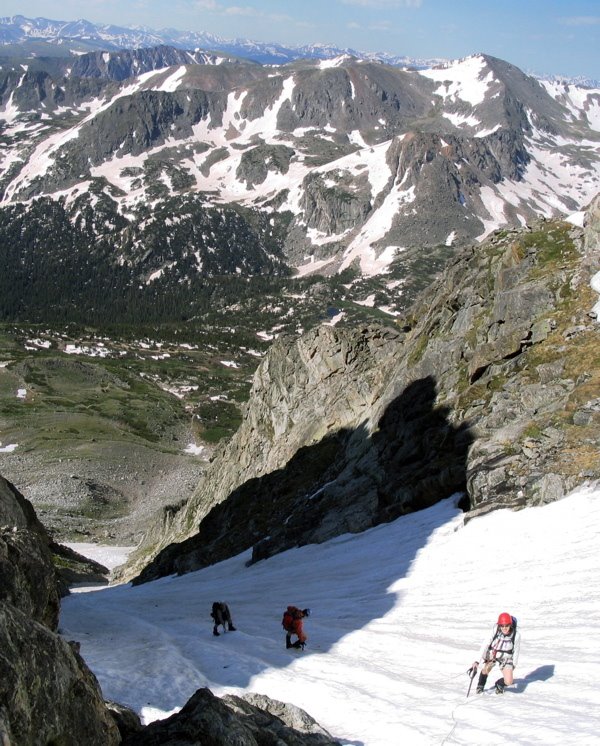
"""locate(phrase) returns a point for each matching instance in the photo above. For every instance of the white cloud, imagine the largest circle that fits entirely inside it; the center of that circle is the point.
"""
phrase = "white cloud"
(237, 10)
(207, 5)
(247, 11)
(381, 26)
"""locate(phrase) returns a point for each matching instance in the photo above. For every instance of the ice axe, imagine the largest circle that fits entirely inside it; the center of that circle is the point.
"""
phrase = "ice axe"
(472, 673)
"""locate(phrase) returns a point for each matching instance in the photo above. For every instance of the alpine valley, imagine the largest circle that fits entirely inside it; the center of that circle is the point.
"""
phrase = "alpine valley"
(254, 298)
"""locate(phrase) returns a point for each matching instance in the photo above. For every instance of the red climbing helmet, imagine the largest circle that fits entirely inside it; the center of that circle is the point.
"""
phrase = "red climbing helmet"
(504, 618)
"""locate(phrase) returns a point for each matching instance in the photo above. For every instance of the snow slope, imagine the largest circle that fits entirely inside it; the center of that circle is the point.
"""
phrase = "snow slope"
(398, 615)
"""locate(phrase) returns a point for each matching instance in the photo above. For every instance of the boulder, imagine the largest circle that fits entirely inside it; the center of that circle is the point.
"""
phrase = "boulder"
(251, 720)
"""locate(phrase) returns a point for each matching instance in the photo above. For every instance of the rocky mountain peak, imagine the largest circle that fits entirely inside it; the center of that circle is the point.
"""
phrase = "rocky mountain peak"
(356, 161)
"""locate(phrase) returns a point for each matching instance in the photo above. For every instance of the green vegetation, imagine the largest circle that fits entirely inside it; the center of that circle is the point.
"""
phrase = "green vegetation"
(418, 349)
(73, 400)
(553, 246)
(157, 378)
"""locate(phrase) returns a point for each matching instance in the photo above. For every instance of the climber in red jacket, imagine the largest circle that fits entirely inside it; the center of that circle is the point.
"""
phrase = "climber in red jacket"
(292, 623)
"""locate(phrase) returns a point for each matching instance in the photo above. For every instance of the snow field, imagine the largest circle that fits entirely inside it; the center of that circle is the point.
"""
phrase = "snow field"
(398, 615)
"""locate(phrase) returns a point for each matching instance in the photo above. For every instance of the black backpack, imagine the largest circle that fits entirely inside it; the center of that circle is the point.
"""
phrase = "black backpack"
(218, 608)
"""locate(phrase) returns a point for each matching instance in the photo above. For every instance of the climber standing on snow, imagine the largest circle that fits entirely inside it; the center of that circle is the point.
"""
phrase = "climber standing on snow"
(293, 625)
(221, 617)
(501, 648)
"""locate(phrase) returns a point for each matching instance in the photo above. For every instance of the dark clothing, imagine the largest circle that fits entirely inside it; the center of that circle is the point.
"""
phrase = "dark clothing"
(222, 617)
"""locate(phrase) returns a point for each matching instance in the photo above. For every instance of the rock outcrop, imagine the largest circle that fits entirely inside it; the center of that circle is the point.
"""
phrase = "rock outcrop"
(311, 459)
(490, 387)
(47, 693)
(69, 567)
(250, 720)
(509, 335)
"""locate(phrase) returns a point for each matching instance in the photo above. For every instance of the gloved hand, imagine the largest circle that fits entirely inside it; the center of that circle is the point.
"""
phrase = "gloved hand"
(473, 670)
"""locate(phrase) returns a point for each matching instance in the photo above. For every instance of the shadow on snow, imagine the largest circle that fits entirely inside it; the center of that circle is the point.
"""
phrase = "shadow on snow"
(413, 460)
(543, 673)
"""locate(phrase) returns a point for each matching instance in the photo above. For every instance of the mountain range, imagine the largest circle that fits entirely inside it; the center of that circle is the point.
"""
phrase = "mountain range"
(175, 166)
(83, 36)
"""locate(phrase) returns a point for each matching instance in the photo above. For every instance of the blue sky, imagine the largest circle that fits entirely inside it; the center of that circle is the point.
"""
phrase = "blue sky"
(543, 36)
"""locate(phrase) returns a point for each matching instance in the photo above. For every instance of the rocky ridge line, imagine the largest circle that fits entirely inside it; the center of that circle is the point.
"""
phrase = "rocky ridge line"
(490, 386)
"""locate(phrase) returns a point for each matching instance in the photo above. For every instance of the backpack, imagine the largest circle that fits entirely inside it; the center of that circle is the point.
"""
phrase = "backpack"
(289, 615)
(218, 608)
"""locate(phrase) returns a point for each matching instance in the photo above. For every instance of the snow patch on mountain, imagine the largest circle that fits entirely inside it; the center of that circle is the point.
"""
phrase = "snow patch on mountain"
(173, 80)
(462, 80)
(334, 62)
(40, 161)
(583, 103)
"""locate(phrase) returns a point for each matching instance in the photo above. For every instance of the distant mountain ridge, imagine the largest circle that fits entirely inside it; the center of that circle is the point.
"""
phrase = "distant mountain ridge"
(86, 36)
(20, 30)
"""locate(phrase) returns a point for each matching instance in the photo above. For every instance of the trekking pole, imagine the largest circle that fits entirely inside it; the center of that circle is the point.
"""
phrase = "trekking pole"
(473, 672)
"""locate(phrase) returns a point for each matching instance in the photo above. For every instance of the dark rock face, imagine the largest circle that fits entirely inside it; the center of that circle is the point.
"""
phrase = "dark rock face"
(510, 340)
(77, 569)
(27, 578)
(446, 181)
(252, 720)
(356, 97)
(127, 63)
(128, 721)
(335, 209)
(257, 162)
(15, 510)
(38, 88)
(47, 693)
(29, 548)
